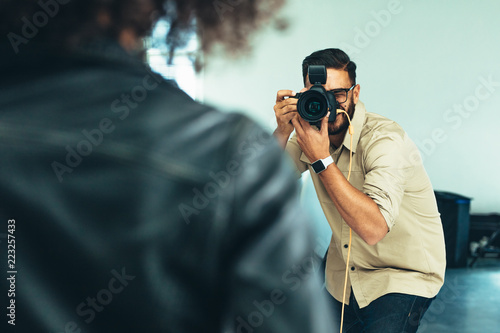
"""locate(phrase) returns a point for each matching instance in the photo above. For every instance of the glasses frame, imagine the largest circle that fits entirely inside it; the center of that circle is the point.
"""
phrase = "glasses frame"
(345, 90)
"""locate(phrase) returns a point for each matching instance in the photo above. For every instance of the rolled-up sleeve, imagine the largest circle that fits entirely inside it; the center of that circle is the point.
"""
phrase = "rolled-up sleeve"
(389, 157)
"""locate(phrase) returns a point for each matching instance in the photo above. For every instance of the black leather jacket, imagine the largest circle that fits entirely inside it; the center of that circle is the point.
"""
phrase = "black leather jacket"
(139, 210)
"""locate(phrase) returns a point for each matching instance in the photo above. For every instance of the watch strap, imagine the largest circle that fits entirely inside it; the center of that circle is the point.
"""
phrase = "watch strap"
(321, 164)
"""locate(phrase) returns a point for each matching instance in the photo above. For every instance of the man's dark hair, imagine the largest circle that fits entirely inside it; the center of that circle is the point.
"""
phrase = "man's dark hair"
(331, 58)
(64, 24)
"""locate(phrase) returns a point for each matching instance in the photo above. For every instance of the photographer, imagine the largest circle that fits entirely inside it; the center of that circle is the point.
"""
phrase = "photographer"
(397, 254)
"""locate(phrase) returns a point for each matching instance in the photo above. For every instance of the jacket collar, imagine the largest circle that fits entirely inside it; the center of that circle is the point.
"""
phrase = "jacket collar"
(36, 54)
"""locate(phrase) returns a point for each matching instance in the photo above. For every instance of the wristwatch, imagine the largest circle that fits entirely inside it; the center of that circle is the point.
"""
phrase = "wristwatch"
(321, 165)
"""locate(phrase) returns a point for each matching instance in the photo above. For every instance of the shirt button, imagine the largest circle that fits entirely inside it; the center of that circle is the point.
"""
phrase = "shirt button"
(352, 268)
(346, 246)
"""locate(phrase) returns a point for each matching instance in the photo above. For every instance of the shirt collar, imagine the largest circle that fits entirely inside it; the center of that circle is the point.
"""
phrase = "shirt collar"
(357, 123)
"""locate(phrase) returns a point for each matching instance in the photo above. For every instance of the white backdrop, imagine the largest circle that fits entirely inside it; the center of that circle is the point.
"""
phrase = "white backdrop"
(434, 67)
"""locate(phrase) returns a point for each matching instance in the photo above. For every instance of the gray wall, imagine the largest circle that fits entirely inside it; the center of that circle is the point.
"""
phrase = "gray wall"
(432, 66)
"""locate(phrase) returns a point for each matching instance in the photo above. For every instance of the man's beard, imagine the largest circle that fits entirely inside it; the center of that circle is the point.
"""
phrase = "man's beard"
(333, 130)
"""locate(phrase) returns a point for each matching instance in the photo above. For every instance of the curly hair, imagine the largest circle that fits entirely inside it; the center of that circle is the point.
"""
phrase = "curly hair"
(66, 23)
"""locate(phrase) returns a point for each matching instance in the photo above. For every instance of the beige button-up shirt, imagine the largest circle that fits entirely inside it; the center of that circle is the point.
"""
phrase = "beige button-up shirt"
(387, 167)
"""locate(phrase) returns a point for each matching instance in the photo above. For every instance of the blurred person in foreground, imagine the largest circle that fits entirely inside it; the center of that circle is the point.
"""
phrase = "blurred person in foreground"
(127, 206)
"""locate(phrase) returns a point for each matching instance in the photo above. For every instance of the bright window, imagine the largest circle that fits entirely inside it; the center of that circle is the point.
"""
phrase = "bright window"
(181, 67)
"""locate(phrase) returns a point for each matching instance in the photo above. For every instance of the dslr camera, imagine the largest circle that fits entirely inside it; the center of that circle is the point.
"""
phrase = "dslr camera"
(314, 104)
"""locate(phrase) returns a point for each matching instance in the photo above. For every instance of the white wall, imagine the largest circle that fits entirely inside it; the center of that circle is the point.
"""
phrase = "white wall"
(418, 63)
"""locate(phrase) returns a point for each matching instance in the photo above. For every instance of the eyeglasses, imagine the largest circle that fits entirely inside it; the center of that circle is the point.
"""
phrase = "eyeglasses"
(341, 94)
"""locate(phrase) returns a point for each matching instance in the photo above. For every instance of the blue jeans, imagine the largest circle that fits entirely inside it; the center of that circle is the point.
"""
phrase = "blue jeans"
(391, 313)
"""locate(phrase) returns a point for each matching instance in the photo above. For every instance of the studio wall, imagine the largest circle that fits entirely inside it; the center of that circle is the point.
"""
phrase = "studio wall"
(432, 66)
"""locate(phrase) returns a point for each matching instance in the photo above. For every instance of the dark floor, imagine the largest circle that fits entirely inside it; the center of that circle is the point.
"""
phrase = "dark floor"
(469, 301)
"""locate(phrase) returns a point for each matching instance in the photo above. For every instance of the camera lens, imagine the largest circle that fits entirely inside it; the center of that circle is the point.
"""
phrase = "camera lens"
(312, 106)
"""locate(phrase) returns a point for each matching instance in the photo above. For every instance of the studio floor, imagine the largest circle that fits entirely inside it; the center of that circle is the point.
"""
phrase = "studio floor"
(469, 301)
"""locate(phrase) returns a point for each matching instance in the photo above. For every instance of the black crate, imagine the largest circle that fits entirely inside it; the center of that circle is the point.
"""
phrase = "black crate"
(455, 216)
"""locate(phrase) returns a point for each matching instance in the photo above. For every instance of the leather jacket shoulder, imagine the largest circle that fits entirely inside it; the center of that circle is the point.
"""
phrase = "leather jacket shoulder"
(139, 210)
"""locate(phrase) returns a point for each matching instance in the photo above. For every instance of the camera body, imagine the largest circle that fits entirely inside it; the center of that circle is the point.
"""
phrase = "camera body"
(314, 104)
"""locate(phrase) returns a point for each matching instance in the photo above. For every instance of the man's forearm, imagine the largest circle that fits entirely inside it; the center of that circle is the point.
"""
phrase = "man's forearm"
(358, 210)
(281, 137)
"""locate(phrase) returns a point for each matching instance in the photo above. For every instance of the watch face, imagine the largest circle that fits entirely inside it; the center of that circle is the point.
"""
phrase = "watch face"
(318, 166)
